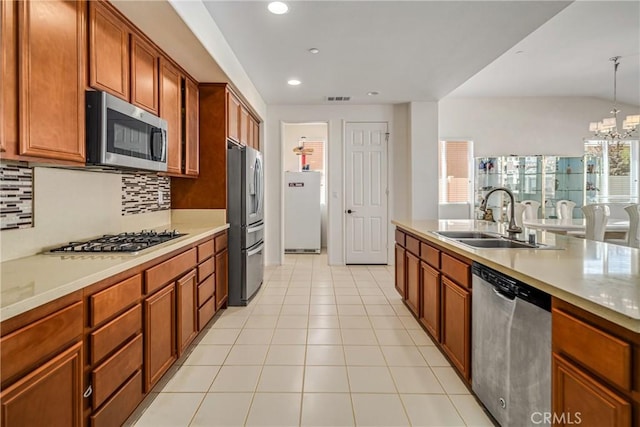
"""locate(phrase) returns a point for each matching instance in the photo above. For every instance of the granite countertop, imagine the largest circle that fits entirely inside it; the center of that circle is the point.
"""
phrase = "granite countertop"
(26, 283)
(601, 278)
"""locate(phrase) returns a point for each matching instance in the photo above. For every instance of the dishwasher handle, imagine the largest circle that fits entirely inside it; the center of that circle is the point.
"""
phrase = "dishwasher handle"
(505, 296)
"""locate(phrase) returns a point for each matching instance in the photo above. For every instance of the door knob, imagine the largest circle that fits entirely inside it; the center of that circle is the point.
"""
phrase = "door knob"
(350, 211)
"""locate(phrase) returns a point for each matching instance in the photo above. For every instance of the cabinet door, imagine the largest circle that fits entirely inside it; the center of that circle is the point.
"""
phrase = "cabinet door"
(170, 110)
(577, 394)
(256, 135)
(8, 76)
(244, 126)
(159, 334)
(222, 284)
(233, 117)
(108, 51)
(144, 75)
(400, 270)
(52, 79)
(412, 295)
(51, 395)
(187, 288)
(192, 152)
(250, 131)
(456, 325)
(430, 315)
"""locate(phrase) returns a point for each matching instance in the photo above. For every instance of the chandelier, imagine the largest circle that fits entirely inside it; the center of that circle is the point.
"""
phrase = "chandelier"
(607, 129)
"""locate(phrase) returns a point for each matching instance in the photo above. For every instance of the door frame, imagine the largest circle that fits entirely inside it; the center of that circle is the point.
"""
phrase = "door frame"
(344, 188)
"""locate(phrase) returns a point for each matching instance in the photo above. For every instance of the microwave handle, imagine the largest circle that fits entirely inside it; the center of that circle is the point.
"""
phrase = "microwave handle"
(154, 133)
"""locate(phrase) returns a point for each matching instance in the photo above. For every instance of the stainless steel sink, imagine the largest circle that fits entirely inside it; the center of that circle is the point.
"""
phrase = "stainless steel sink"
(468, 234)
(496, 243)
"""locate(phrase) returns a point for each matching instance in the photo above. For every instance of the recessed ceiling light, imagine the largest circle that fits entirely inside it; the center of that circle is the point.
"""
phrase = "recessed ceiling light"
(314, 50)
(278, 7)
(294, 82)
(373, 93)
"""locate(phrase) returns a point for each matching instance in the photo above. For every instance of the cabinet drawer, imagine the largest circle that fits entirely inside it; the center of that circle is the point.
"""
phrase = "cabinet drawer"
(26, 347)
(162, 274)
(430, 254)
(114, 299)
(206, 268)
(221, 242)
(206, 312)
(121, 405)
(400, 236)
(206, 289)
(413, 245)
(110, 336)
(205, 250)
(109, 376)
(456, 270)
(598, 351)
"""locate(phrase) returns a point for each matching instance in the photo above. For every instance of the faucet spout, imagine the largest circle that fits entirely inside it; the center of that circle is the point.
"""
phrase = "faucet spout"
(512, 229)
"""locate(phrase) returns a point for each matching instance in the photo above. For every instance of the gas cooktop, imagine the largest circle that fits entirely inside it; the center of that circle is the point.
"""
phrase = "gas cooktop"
(130, 243)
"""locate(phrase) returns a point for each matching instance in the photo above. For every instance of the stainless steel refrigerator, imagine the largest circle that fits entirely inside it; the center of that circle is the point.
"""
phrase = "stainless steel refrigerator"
(245, 214)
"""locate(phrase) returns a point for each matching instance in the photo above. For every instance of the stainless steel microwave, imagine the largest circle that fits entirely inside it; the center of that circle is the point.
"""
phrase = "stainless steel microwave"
(120, 134)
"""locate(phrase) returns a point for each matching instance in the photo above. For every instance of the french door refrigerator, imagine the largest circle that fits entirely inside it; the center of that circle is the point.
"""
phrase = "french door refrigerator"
(245, 214)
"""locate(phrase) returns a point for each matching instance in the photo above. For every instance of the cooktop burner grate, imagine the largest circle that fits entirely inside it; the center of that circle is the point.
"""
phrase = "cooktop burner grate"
(123, 242)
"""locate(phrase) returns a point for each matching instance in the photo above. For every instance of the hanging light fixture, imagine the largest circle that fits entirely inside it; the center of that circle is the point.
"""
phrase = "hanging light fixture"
(607, 129)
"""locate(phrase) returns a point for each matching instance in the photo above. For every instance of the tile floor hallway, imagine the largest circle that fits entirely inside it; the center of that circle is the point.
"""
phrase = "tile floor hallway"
(318, 346)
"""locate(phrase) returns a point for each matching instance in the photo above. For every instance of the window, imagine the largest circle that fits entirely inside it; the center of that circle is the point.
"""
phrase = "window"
(612, 171)
(454, 172)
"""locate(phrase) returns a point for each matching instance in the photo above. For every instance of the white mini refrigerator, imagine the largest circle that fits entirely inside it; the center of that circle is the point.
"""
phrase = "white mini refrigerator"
(302, 212)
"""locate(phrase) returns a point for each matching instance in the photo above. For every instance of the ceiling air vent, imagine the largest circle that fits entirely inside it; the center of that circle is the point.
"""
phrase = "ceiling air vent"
(338, 98)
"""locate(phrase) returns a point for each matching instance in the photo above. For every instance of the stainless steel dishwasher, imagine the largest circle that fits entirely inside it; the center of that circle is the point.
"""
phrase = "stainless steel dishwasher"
(511, 348)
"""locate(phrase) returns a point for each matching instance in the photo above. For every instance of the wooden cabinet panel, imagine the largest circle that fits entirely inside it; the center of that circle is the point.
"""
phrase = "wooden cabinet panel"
(233, 117)
(456, 323)
(430, 315)
(171, 111)
(576, 392)
(205, 250)
(413, 245)
(107, 303)
(8, 77)
(52, 79)
(412, 296)
(256, 135)
(430, 254)
(577, 339)
(110, 375)
(121, 405)
(222, 282)
(221, 241)
(187, 288)
(206, 312)
(144, 75)
(108, 51)
(191, 134)
(159, 334)
(205, 269)
(456, 270)
(167, 271)
(110, 336)
(51, 395)
(244, 126)
(206, 289)
(37, 341)
(400, 281)
(400, 237)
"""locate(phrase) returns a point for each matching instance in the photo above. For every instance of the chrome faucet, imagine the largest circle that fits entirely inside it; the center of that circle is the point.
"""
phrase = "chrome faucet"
(513, 229)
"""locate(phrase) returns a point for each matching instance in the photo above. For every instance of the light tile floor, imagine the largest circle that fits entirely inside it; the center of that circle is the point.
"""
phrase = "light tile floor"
(317, 346)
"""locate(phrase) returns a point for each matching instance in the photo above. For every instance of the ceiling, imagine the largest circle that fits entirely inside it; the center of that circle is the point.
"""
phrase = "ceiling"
(427, 50)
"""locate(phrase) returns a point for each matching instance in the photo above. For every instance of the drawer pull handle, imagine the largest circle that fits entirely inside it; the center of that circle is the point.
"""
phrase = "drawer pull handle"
(88, 392)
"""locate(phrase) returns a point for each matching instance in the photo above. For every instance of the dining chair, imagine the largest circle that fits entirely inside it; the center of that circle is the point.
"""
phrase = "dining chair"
(633, 236)
(564, 209)
(532, 208)
(596, 216)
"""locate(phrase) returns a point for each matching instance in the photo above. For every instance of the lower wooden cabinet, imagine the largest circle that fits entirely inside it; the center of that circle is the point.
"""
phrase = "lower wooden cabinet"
(400, 270)
(187, 293)
(159, 334)
(583, 400)
(412, 295)
(51, 395)
(456, 325)
(222, 279)
(430, 315)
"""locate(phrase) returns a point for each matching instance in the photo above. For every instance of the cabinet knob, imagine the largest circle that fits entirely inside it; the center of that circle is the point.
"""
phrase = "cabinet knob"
(87, 392)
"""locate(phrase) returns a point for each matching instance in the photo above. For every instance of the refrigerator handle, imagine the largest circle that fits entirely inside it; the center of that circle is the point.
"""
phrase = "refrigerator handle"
(256, 250)
(254, 229)
(260, 179)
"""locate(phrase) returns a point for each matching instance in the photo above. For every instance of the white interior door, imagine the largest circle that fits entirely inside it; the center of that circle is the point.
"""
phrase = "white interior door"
(366, 193)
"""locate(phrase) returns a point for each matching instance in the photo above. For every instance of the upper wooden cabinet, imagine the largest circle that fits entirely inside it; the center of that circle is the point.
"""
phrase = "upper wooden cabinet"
(255, 140)
(109, 51)
(244, 126)
(233, 117)
(144, 74)
(8, 77)
(171, 111)
(191, 139)
(52, 79)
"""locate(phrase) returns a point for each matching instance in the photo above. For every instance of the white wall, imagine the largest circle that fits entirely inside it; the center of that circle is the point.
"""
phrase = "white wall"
(523, 126)
(313, 132)
(335, 116)
(423, 134)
